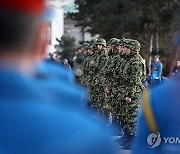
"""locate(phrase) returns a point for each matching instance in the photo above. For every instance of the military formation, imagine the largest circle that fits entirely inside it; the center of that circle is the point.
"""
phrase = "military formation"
(114, 73)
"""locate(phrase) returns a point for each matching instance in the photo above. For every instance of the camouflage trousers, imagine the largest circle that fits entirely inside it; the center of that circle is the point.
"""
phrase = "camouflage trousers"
(127, 112)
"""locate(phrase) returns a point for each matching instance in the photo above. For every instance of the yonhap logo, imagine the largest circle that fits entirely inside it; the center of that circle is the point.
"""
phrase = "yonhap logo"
(154, 140)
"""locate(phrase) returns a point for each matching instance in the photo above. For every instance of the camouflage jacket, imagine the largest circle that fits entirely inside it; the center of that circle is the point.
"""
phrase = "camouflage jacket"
(120, 62)
(110, 64)
(134, 73)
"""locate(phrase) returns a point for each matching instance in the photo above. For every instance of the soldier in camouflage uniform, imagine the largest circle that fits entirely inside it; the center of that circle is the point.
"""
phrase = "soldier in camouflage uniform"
(84, 53)
(82, 78)
(109, 94)
(118, 75)
(134, 74)
(88, 71)
(109, 69)
(117, 84)
(98, 78)
(78, 61)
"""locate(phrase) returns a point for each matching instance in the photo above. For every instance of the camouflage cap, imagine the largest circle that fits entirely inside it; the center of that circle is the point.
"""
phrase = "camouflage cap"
(78, 47)
(113, 42)
(93, 41)
(122, 42)
(86, 46)
(133, 44)
(110, 42)
(101, 41)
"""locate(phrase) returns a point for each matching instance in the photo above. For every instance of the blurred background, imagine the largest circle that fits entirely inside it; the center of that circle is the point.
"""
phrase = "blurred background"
(154, 23)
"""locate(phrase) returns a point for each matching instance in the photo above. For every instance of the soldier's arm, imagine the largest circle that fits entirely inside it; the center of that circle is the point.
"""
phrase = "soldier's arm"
(135, 78)
(84, 65)
(136, 73)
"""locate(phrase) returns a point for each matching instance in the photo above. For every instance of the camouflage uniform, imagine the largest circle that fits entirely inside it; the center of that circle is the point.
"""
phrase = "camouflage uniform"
(78, 61)
(119, 86)
(86, 78)
(134, 74)
(98, 93)
(130, 78)
(109, 99)
(85, 67)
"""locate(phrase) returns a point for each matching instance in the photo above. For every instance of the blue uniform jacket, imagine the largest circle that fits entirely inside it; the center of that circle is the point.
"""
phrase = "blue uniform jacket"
(57, 84)
(51, 70)
(30, 124)
(165, 104)
(156, 70)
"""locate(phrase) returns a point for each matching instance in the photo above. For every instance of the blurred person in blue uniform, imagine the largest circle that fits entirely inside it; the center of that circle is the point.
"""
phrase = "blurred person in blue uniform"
(158, 129)
(31, 121)
(176, 68)
(156, 72)
(66, 64)
(57, 84)
(55, 71)
(159, 125)
(158, 119)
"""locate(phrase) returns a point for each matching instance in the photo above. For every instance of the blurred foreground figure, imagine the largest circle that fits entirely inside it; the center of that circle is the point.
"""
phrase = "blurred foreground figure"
(39, 114)
(159, 125)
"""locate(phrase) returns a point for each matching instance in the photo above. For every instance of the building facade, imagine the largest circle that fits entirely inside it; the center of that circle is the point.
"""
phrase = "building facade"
(59, 23)
(72, 30)
(55, 21)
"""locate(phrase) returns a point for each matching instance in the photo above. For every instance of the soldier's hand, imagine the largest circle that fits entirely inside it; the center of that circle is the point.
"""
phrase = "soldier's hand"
(91, 63)
(106, 90)
(128, 99)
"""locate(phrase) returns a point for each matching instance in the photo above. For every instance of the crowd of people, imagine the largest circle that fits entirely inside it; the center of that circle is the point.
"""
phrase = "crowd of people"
(114, 74)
